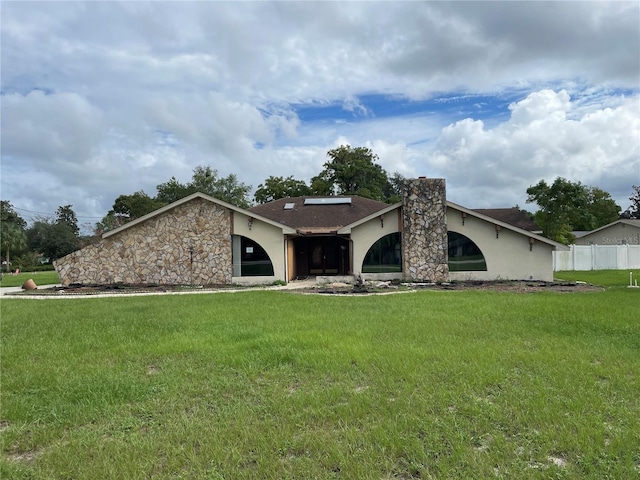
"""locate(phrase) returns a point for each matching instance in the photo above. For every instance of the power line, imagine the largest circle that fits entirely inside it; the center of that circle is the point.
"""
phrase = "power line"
(50, 214)
(33, 211)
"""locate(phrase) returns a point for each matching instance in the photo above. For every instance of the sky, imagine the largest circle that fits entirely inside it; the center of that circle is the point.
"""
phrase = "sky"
(100, 99)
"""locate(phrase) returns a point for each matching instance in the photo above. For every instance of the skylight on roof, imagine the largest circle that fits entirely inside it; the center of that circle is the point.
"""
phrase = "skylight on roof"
(328, 201)
(289, 205)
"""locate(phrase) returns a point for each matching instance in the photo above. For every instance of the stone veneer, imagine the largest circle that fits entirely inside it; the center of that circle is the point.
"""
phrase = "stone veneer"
(157, 251)
(424, 230)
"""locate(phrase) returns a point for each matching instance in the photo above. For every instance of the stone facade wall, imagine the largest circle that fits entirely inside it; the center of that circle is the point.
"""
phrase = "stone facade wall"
(157, 250)
(424, 230)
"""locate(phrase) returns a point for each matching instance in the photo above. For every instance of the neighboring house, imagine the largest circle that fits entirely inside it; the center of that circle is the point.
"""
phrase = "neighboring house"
(200, 240)
(620, 232)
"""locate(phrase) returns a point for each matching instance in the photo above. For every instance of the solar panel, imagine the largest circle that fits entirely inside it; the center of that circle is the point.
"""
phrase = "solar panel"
(328, 201)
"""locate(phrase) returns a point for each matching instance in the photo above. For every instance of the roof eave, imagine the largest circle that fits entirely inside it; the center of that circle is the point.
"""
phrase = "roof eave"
(508, 226)
(347, 228)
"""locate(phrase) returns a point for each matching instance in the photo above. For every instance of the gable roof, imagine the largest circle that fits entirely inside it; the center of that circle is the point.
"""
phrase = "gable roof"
(508, 226)
(626, 221)
(184, 200)
(513, 216)
(318, 218)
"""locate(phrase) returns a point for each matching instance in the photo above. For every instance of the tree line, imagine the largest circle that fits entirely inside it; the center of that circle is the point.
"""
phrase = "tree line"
(563, 206)
(42, 242)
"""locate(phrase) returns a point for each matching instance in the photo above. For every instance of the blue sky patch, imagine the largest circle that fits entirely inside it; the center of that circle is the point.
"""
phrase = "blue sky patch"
(452, 106)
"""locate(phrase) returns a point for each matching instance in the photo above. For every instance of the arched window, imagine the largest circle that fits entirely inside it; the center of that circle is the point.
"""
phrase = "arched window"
(384, 256)
(464, 255)
(250, 259)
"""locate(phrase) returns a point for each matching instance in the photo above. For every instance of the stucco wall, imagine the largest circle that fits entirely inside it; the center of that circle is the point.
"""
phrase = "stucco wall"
(614, 235)
(158, 250)
(365, 235)
(270, 238)
(424, 230)
(508, 257)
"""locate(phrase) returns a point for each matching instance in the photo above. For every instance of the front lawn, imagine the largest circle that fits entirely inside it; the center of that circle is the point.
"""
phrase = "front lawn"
(604, 278)
(263, 384)
(49, 277)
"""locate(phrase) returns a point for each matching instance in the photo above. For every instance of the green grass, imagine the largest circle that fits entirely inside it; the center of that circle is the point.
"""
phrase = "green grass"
(41, 278)
(603, 278)
(433, 384)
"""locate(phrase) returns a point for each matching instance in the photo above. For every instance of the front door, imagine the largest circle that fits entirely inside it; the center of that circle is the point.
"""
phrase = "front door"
(328, 256)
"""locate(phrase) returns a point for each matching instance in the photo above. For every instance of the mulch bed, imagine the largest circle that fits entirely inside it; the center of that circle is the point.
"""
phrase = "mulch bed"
(332, 289)
(119, 289)
(505, 286)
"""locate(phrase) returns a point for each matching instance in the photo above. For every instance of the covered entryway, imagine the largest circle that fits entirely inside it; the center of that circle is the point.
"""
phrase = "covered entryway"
(321, 255)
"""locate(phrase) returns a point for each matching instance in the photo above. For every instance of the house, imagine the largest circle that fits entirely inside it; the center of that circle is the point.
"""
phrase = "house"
(620, 232)
(203, 241)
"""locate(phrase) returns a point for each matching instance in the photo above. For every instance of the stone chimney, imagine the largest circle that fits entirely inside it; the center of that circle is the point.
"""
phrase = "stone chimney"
(424, 230)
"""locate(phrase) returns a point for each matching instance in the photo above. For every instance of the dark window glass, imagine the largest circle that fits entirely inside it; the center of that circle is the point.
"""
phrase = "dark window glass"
(384, 256)
(254, 260)
(464, 255)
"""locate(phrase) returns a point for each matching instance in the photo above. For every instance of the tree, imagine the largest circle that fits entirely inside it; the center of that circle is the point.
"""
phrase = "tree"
(566, 206)
(12, 232)
(37, 234)
(53, 239)
(110, 221)
(396, 184)
(67, 216)
(172, 191)
(136, 205)
(601, 208)
(562, 205)
(9, 215)
(126, 208)
(353, 171)
(230, 190)
(205, 179)
(13, 240)
(322, 184)
(274, 188)
(634, 209)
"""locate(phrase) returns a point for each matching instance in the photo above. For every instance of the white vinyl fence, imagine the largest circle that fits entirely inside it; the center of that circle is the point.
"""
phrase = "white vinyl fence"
(597, 257)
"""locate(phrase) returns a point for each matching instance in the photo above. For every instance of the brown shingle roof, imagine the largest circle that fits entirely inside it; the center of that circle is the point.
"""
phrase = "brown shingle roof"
(513, 216)
(318, 218)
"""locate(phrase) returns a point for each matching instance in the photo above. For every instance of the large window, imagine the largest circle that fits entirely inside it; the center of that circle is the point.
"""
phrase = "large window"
(250, 259)
(464, 255)
(384, 256)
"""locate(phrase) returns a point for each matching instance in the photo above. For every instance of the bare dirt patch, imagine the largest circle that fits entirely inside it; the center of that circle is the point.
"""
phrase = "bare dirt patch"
(24, 456)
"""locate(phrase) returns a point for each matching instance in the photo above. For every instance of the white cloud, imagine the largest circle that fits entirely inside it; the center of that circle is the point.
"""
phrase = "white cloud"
(540, 142)
(105, 98)
(50, 129)
(544, 106)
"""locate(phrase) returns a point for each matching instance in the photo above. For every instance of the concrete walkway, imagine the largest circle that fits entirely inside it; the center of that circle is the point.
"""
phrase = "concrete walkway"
(5, 290)
(10, 290)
